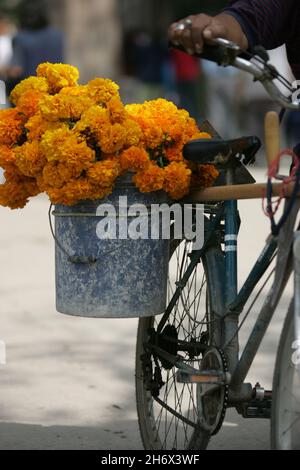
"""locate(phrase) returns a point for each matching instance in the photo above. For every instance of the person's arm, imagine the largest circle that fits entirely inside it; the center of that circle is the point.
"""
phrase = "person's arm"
(264, 22)
(246, 22)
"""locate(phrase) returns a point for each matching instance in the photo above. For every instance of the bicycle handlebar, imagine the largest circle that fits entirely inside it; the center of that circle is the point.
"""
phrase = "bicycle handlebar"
(226, 53)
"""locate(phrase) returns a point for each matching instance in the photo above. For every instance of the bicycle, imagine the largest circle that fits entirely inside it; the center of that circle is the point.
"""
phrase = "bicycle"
(188, 369)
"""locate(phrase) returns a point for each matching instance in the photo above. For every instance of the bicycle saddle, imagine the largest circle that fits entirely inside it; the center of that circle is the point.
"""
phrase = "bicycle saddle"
(219, 151)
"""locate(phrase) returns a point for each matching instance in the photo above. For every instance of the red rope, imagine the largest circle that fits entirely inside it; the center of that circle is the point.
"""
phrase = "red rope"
(273, 174)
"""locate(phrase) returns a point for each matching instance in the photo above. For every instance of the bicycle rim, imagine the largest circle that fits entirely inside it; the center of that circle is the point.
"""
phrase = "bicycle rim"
(285, 421)
(160, 429)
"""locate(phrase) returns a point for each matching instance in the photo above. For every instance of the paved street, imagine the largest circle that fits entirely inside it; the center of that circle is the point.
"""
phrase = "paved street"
(69, 382)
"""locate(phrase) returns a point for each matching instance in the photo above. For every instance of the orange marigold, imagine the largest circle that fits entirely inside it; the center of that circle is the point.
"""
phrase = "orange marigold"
(11, 126)
(29, 84)
(64, 107)
(177, 180)
(152, 179)
(116, 110)
(29, 158)
(37, 125)
(112, 138)
(102, 90)
(15, 194)
(134, 159)
(103, 174)
(28, 103)
(204, 176)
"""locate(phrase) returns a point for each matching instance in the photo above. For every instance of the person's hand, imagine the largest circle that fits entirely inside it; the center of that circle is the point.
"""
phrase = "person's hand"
(192, 32)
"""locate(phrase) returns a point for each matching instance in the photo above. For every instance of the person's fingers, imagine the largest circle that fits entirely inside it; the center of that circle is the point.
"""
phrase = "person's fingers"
(199, 24)
(214, 30)
(180, 34)
(188, 32)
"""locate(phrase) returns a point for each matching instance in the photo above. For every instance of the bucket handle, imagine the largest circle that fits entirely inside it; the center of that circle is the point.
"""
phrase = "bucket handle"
(73, 258)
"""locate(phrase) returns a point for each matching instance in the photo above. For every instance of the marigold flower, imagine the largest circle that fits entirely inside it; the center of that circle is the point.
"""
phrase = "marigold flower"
(15, 194)
(29, 84)
(134, 159)
(11, 126)
(116, 110)
(7, 158)
(58, 76)
(28, 103)
(102, 90)
(64, 107)
(29, 158)
(112, 138)
(177, 180)
(104, 173)
(152, 179)
(37, 125)
(92, 120)
(204, 176)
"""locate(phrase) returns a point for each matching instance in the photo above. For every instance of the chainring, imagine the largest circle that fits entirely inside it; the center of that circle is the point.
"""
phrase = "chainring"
(212, 401)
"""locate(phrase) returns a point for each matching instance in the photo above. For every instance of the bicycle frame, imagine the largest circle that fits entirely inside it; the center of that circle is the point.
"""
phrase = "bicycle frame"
(233, 301)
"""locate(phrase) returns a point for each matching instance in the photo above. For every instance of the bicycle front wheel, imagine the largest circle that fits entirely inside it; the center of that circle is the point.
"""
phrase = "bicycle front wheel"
(285, 420)
(172, 423)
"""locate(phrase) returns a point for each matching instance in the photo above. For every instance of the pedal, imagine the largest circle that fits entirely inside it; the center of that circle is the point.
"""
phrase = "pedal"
(260, 406)
(209, 377)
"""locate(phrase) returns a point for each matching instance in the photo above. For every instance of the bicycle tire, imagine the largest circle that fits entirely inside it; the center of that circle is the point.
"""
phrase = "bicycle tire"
(285, 426)
(151, 438)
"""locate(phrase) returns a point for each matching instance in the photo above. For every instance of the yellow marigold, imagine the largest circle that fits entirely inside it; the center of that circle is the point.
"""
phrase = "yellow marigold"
(152, 179)
(77, 90)
(204, 176)
(112, 138)
(11, 126)
(58, 76)
(104, 173)
(116, 109)
(28, 103)
(15, 194)
(177, 180)
(29, 158)
(133, 132)
(92, 120)
(64, 107)
(52, 142)
(37, 125)
(102, 90)
(29, 84)
(134, 159)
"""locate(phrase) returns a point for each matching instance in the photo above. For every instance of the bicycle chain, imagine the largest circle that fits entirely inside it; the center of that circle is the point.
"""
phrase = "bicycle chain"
(226, 393)
(198, 427)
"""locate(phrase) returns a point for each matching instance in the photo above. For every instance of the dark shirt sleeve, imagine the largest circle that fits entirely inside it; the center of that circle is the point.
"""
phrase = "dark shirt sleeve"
(265, 22)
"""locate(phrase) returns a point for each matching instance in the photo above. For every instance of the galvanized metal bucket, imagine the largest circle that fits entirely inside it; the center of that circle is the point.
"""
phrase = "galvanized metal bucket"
(112, 278)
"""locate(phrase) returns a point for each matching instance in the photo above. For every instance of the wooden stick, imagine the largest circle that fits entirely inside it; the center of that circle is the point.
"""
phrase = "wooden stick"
(236, 192)
(272, 137)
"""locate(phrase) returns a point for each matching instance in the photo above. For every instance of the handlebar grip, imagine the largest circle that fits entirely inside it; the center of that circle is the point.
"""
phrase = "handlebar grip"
(215, 54)
(272, 136)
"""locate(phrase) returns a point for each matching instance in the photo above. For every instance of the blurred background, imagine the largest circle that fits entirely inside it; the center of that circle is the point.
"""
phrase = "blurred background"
(126, 41)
